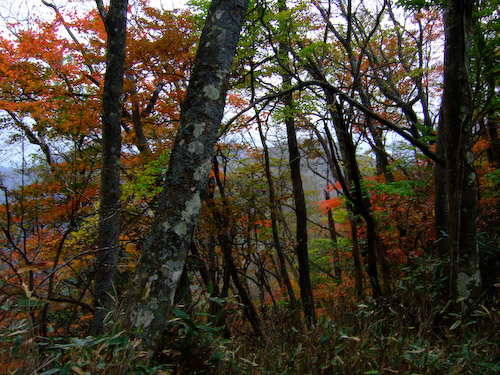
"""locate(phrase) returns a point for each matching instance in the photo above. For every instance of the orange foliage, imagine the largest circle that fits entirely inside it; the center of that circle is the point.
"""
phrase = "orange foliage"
(50, 90)
(330, 204)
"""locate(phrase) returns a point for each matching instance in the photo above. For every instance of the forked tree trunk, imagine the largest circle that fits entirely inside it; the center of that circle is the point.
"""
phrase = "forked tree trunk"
(152, 288)
(226, 237)
(361, 204)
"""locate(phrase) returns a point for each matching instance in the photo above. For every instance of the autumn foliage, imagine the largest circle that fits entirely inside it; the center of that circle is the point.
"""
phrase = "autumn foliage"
(234, 311)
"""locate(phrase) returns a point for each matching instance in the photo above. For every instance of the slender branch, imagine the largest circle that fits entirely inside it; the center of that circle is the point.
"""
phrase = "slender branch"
(32, 137)
(102, 12)
(72, 301)
(305, 84)
(76, 41)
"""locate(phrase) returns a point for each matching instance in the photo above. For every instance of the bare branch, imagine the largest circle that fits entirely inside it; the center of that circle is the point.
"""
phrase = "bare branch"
(76, 41)
(102, 12)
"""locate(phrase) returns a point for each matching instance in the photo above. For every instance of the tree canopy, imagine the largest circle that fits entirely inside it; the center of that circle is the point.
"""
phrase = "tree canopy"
(254, 187)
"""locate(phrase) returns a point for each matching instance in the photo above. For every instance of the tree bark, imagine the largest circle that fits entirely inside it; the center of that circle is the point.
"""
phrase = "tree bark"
(358, 267)
(440, 197)
(301, 248)
(333, 238)
(354, 189)
(152, 288)
(225, 237)
(109, 220)
(360, 202)
(140, 139)
(465, 278)
(274, 222)
(494, 141)
(273, 206)
(328, 148)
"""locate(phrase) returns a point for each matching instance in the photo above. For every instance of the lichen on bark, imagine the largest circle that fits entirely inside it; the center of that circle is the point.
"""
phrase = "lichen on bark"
(165, 251)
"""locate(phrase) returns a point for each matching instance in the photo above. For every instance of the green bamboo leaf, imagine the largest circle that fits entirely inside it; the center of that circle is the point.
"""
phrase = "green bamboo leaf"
(51, 371)
(66, 369)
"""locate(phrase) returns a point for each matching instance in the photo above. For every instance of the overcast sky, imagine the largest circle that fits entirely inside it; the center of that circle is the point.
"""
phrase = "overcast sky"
(12, 10)
(172, 4)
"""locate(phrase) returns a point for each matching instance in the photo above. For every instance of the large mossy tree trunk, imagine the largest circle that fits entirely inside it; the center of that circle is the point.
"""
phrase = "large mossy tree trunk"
(457, 122)
(152, 289)
(151, 293)
(109, 214)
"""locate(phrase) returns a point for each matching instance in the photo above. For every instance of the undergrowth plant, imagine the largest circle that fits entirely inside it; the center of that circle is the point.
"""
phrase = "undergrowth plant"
(411, 333)
(193, 345)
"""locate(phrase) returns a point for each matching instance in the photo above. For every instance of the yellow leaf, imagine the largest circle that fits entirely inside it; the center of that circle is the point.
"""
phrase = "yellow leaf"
(78, 370)
(32, 267)
(27, 291)
(145, 294)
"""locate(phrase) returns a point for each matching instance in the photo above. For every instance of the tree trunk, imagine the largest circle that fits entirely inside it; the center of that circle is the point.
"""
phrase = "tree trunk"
(465, 278)
(109, 220)
(494, 141)
(333, 238)
(225, 237)
(301, 218)
(328, 148)
(152, 288)
(360, 202)
(140, 139)
(248, 307)
(358, 268)
(274, 223)
(440, 197)
(301, 248)
(273, 206)
(382, 162)
(354, 187)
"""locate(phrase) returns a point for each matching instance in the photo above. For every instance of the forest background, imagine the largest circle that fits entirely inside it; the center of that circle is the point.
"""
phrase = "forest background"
(254, 187)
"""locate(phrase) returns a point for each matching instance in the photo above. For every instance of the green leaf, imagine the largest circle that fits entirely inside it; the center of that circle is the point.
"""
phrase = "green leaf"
(216, 357)
(17, 345)
(78, 342)
(66, 369)
(371, 372)
(491, 366)
(180, 314)
(51, 371)
(185, 317)
(6, 306)
(30, 302)
(455, 325)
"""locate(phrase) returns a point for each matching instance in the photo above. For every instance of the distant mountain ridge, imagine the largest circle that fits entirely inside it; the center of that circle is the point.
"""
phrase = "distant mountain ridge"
(10, 177)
